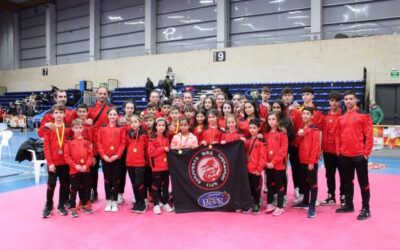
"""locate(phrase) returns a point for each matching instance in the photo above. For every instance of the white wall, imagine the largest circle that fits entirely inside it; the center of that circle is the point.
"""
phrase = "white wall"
(305, 61)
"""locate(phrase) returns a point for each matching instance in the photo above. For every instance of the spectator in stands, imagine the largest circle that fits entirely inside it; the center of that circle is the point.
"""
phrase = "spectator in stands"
(171, 76)
(376, 113)
(149, 87)
(11, 109)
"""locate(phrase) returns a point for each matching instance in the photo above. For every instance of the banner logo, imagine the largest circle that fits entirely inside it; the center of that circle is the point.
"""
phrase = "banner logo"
(214, 199)
(209, 169)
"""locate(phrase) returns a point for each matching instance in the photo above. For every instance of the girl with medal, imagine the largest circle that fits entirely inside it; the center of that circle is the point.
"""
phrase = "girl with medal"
(212, 135)
(232, 133)
(200, 123)
(227, 109)
(157, 149)
(276, 149)
(184, 139)
(125, 120)
(136, 162)
(255, 153)
(250, 112)
(111, 142)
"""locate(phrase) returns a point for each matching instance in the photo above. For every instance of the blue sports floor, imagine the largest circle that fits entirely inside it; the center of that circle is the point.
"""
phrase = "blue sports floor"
(14, 175)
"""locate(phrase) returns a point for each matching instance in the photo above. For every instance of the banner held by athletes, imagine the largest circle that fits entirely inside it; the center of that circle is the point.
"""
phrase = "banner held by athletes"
(210, 178)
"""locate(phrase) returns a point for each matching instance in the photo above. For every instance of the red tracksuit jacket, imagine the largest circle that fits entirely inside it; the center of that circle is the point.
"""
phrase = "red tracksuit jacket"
(136, 149)
(211, 135)
(78, 152)
(51, 147)
(276, 147)
(198, 131)
(221, 123)
(310, 145)
(298, 122)
(156, 150)
(354, 134)
(230, 137)
(70, 115)
(330, 125)
(95, 109)
(256, 159)
(263, 111)
(111, 140)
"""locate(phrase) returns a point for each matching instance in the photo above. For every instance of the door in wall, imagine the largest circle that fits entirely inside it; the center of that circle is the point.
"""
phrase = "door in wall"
(387, 96)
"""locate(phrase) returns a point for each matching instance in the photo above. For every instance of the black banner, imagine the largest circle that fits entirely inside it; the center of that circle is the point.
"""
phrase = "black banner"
(210, 178)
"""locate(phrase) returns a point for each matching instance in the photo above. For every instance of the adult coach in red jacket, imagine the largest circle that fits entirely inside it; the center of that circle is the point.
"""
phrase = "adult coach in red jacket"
(98, 115)
(354, 143)
(60, 97)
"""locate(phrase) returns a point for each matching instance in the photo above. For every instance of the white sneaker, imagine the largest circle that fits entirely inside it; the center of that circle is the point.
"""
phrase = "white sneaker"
(133, 199)
(270, 208)
(299, 199)
(278, 211)
(120, 199)
(296, 193)
(157, 209)
(108, 206)
(317, 203)
(167, 208)
(114, 206)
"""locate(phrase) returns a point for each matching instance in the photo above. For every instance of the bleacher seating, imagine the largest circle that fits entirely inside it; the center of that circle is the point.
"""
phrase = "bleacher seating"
(321, 88)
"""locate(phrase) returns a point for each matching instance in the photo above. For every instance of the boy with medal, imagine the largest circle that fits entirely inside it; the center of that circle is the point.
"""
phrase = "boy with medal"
(54, 141)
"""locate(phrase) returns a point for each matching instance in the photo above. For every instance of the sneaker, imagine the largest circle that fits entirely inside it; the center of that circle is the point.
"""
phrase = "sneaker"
(256, 209)
(270, 208)
(46, 212)
(300, 205)
(296, 192)
(120, 199)
(167, 208)
(61, 210)
(141, 209)
(316, 203)
(329, 201)
(246, 210)
(108, 206)
(114, 206)
(299, 199)
(345, 209)
(311, 212)
(93, 197)
(265, 190)
(67, 204)
(365, 214)
(74, 213)
(86, 209)
(133, 199)
(157, 209)
(278, 211)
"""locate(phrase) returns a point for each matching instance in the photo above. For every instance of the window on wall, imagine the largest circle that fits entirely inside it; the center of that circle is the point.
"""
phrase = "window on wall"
(357, 18)
(72, 29)
(32, 26)
(122, 28)
(269, 21)
(186, 25)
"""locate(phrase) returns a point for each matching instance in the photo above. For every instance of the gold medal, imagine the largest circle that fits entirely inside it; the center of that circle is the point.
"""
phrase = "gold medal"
(210, 146)
(112, 147)
(135, 150)
(271, 152)
(180, 152)
(165, 159)
(82, 161)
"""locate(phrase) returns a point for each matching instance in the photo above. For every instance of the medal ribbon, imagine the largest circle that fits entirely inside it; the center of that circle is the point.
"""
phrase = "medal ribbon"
(60, 141)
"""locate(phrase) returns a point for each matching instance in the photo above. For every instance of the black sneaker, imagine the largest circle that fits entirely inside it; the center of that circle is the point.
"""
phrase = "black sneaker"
(365, 214)
(93, 197)
(256, 209)
(46, 212)
(301, 205)
(74, 213)
(140, 209)
(329, 201)
(86, 210)
(61, 210)
(345, 209)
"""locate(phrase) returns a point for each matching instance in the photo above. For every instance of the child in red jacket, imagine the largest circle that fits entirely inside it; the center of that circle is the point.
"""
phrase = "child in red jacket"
(212, 135)
(276, 153)
(54, 141)
(136, 162)
(309, 153)
(78, 155)
(232, 133)
(255, 162)
(158, 148)
(111, 142)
